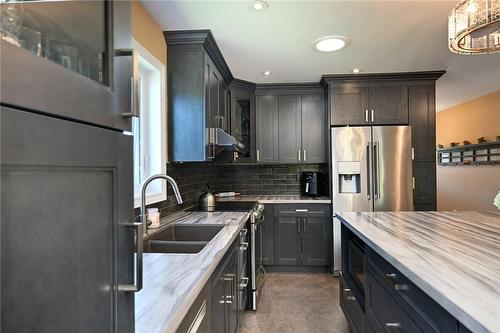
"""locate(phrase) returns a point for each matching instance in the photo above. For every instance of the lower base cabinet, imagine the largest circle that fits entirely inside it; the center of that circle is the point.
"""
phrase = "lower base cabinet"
(392, 303)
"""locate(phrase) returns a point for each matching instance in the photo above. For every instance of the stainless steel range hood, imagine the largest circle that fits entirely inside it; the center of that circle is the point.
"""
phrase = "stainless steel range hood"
(225, 141)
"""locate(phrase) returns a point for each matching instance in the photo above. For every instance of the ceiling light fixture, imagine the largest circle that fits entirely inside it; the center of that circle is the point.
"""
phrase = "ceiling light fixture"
(259, 5)
(474, 27)
(266, 73)
(356, 70)
(331, 43)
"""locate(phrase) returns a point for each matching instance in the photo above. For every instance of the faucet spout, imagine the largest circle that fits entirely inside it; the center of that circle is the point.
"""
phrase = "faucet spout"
(170, 180)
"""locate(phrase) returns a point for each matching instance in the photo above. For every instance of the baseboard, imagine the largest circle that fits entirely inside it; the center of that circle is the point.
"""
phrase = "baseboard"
(298, 269)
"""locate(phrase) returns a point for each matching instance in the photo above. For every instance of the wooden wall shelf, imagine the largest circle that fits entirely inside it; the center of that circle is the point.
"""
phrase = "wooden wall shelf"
(487, 153)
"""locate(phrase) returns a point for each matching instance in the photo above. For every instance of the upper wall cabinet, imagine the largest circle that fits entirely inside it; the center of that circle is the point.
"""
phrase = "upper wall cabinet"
(198, 79)
(369, 104)
(52, 65)
(243, 119)
(291, 124)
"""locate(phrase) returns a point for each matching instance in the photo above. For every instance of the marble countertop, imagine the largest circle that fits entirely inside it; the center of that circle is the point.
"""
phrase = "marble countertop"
(454, 257)
(173, 281)
(276, 199)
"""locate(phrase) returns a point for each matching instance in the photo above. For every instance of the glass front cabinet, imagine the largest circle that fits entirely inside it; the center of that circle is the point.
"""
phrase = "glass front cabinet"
(71, 58)
(243, 120)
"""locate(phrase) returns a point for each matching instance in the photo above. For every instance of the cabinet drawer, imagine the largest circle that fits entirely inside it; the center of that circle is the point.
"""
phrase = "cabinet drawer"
(383, 313)
(198, 317)
(429, 315)
(351, 308)
(302, 209)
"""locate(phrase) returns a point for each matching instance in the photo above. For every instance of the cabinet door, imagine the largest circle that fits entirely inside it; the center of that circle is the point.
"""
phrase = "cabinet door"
(422, 113)
(287, 240)
(266, 129)
(349, 105)
(289, 129)
(313, 129)
(231, 282)
(213, 94)
(317, 241)
(388, 104)
(267, 229)
(66, 194)
(425, 182)
(218, 308)
(243, 123)
(69, 71)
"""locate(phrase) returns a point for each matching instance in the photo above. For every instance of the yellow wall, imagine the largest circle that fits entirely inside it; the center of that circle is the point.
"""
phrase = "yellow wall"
(468, 187)
(147, 32)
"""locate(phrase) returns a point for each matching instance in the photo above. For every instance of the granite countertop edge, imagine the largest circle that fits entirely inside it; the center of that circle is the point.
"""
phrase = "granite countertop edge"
(439, 297)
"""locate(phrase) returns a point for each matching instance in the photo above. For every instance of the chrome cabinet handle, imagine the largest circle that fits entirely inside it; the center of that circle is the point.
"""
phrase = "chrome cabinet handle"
(366, 116)
(244, 232)
(393, 327)
(139, 249)
(301, 210)
(373, 116)
(244, 284)
(298, 155)
(135, 82)
(392, 279)
(349, 295)
(195, 325)
(244, 246)
(258, 155)
(297, 220)
(304, 155)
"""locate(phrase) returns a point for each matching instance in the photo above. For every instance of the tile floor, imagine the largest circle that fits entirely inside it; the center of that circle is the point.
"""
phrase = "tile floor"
(298, 303)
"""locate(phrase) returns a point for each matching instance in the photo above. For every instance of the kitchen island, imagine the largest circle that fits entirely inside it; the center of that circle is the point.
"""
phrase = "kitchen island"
(452, 258)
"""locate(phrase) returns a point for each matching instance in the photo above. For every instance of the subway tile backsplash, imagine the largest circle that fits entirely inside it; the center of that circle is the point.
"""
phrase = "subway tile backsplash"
(246, 179)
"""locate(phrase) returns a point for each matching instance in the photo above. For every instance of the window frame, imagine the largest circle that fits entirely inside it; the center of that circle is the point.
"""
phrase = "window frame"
(162, 195)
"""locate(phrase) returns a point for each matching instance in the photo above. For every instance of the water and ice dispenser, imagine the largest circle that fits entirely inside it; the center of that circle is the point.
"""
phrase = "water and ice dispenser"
(349, 177)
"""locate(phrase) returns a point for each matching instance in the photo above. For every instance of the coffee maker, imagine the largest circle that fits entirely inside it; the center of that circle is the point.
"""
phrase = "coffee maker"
(313, 184)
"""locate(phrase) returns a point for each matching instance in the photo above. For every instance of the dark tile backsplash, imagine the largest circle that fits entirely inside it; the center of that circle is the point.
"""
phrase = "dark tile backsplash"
(245, 179)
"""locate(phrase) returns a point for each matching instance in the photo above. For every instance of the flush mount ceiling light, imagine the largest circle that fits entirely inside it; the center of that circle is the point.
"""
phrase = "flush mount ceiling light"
(474, 27)
(331, 43)
(266, 73)
(259, 5)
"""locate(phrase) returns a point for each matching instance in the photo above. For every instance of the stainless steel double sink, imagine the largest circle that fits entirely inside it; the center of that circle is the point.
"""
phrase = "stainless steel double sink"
(181, 238)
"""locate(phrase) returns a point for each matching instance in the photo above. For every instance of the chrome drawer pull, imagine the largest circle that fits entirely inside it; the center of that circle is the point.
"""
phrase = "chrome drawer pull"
(244, 246)
(393, 327)
(244, 232)
(301, 210)
(348, 294)
(392, 279)
(244, 284)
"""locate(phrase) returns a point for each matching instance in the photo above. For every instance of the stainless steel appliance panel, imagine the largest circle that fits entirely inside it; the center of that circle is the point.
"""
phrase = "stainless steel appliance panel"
(350, 159)
(392, 168)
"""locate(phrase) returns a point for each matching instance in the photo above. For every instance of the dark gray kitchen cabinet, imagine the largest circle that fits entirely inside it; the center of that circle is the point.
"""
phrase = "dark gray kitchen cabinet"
(198, 315)
(302, 235)
(224, 303)
(316, 241)
(422, 111)
(289, 129)
(288, 241)
(313, 125)
(243, 119)
(197, 94)
(267, 234)
(375, 103)
(388, 104)
(425, 183)
(66, 197)
(267, 129)
(349, 105)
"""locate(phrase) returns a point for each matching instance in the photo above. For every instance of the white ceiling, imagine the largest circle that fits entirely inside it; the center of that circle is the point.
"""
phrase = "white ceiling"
(386, 36)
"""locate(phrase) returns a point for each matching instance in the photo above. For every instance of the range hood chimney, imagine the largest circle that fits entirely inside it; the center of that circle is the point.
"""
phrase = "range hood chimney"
(225, 140)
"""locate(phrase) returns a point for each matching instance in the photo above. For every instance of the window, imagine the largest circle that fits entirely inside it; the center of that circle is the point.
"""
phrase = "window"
(149, 129)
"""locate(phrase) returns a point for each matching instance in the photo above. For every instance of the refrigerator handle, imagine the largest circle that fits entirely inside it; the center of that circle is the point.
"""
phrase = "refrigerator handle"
(375, 171)
(368, 180)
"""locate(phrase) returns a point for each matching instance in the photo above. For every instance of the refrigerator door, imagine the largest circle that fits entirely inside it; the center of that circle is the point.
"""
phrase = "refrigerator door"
(351, 190)
(392, 168)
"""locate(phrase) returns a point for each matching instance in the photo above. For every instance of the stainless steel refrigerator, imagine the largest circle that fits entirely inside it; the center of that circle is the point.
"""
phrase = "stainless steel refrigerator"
(371, 170)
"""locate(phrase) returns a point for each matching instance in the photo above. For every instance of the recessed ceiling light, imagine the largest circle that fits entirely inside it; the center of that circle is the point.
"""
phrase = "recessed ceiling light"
(266, 73)
(356, 70)
(259, 5)
(331, 43)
